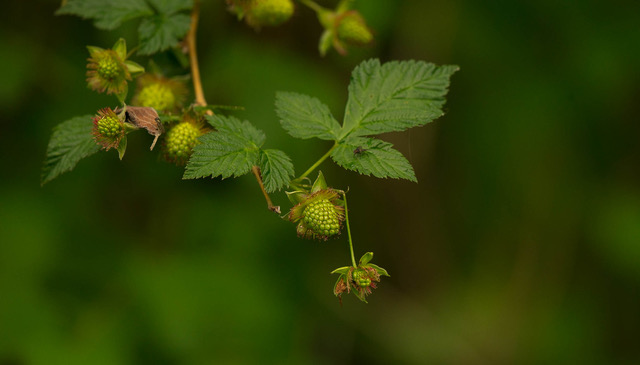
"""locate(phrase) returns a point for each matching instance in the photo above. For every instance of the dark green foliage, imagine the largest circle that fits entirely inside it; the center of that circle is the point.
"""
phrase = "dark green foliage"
(70, 142)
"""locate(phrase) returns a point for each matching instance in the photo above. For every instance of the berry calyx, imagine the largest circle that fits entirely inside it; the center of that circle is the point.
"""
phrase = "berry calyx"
(107, 70)
(179, 142)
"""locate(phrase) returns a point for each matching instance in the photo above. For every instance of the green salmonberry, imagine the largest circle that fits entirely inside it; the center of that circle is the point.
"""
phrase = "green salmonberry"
(157, 96)
(106, 69)
(108, 129)
(321, 217)
(160, 93)
(179, 142)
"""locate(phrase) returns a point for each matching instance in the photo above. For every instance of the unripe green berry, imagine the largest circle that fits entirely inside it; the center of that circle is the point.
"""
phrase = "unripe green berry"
(180, 141)
(110, 126)
(157, 96)
(270, 12)
(353, 30)
(108, 68)
(320, 216)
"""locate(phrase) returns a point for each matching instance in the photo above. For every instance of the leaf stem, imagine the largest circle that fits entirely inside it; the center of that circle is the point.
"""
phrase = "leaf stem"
(346, 214)
(258, 175)
(313, 5)
(193, 55)
(315, 165)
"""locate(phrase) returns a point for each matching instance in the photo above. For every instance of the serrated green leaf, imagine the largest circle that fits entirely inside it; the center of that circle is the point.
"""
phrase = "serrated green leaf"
(162, 31)
(394, 96)
(231, 150)
(243, 131)
(370, 156)
(106, 14)
(306, 117)
(277, 169)
(171, 6)
(70, 142)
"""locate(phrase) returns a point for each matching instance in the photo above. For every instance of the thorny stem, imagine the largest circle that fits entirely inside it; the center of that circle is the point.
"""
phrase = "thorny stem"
(193, 55)
(346, 214)
(270, 206)
(315, 165)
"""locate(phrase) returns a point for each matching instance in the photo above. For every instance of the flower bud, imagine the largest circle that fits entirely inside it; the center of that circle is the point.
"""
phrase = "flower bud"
(353, 30)
(268, 12)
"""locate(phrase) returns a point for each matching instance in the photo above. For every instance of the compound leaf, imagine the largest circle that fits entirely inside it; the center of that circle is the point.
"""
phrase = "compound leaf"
(276, 168)
(70, 142)
(371, 156)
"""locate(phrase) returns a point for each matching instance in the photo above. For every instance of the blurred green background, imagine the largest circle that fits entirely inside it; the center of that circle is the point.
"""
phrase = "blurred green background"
(520, 244)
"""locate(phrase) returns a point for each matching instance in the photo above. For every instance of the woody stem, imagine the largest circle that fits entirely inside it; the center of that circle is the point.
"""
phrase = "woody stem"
(193, 55)
(258, 175)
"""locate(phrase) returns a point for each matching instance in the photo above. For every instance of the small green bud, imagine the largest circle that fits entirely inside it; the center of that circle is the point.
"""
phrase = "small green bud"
(353, 30)
(269, 12)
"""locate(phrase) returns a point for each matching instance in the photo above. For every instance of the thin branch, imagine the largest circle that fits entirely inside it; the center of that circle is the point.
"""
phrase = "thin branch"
(193, 55)
(258, 175)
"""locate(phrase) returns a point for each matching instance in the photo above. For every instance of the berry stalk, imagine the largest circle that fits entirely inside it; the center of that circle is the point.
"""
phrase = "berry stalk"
(346, 213)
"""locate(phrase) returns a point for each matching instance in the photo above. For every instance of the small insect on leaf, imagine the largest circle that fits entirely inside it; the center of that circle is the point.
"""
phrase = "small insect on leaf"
(359, 151)
(145, 117)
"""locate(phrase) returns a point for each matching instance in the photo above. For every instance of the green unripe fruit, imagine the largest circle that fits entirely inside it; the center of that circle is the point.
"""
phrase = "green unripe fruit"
(180, 141)
(109, 126)
(157, 96)
(353, 30)
(270, 12)
(361, 278)
(320, 216)
(108, 68)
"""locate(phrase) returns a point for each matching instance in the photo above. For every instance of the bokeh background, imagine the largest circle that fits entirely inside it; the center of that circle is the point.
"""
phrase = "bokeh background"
(519, 245)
